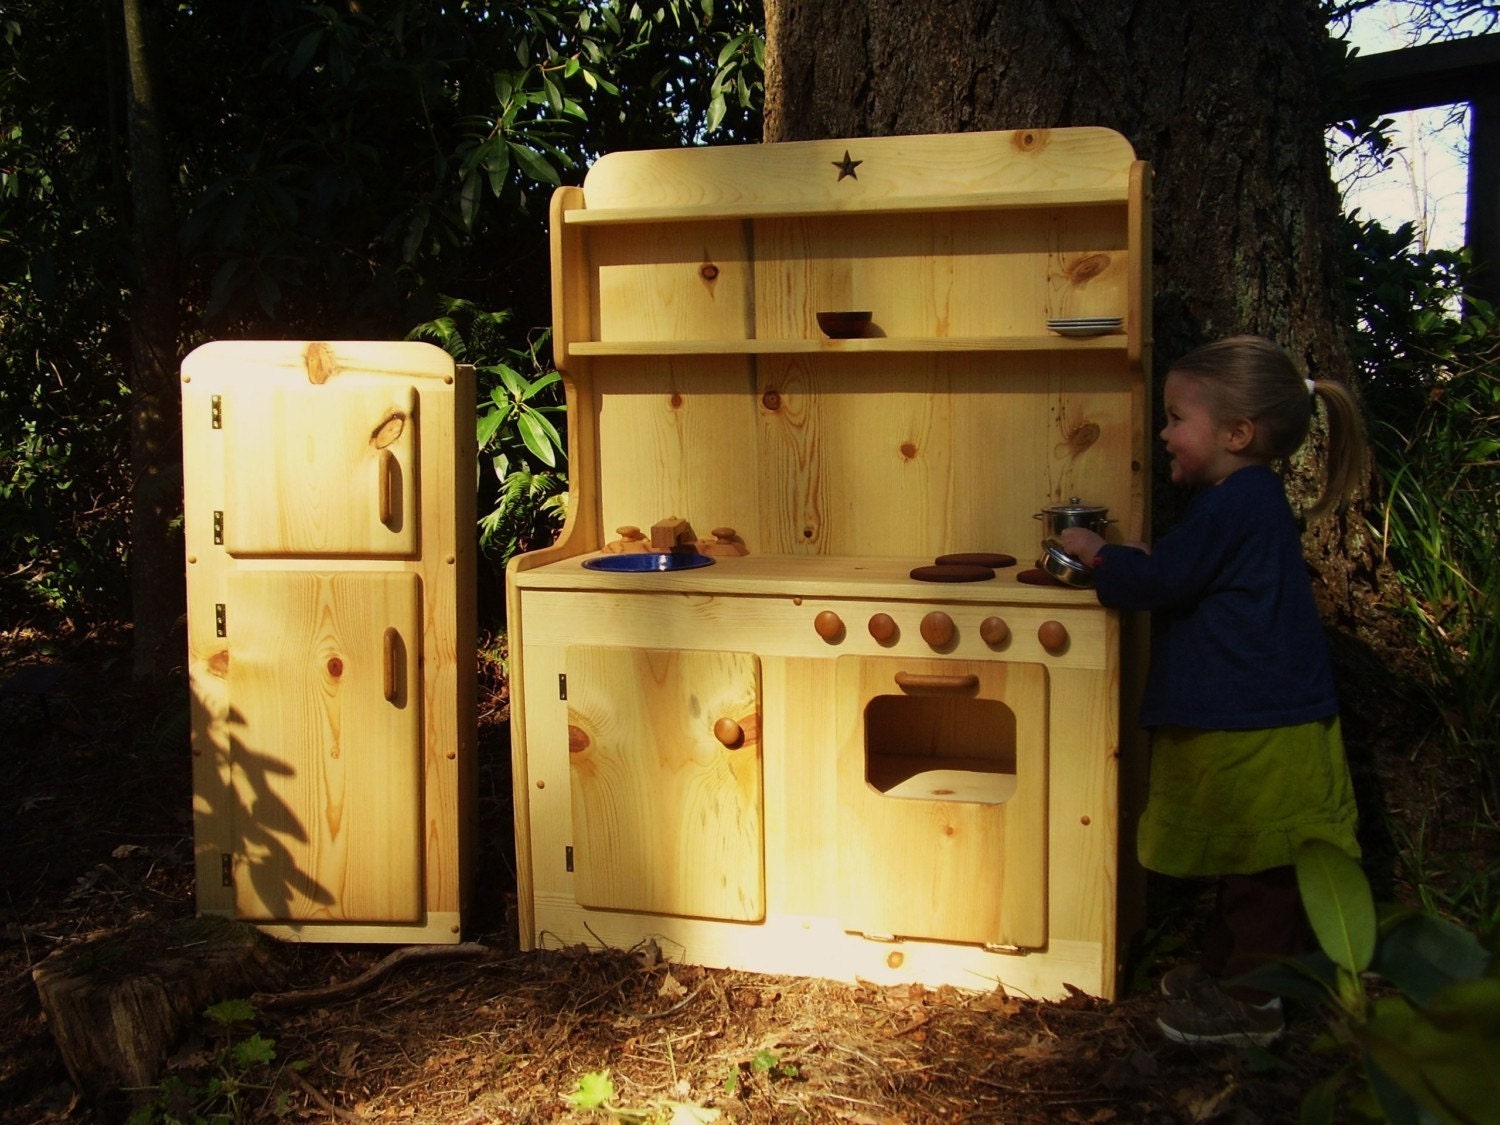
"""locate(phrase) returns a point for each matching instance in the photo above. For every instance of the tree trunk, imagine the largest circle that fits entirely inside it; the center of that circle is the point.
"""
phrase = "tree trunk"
(119, 1003)
(156, 579)
(1222, 96)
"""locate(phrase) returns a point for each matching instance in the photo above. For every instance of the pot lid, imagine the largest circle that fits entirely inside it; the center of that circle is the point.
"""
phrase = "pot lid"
(1074, 506)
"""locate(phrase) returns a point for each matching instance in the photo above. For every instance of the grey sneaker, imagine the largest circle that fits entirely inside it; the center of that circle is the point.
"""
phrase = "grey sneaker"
(1210, 1015)
(1183, 981)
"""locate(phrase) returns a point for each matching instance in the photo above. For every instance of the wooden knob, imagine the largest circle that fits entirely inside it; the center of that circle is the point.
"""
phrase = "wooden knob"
(829, 626)
(724, 534)
(937, 628)
(729, 733)
(994, 631)
(882, 627)
(630, 533)
(1053, 635)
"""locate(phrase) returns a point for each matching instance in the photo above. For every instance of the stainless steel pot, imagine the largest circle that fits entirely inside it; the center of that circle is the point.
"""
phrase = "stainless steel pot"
(1067, 569)
(1074, 513)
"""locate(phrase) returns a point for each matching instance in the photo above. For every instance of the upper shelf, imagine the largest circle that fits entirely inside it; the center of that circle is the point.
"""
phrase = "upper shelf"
(812, 208)
(1112, 342)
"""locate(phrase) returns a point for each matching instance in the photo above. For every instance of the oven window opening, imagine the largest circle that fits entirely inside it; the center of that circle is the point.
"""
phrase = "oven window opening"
(941, 749)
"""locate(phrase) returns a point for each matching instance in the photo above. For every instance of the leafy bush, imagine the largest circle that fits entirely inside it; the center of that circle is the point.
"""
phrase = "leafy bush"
(1430, 358)
(237, 1080)
(520, 428)
(1422, 1033)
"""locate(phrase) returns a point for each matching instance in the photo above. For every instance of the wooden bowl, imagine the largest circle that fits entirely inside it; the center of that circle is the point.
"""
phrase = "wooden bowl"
(843, 325)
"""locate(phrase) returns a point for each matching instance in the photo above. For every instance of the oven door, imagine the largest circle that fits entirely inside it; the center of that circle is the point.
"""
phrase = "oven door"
(942, 779)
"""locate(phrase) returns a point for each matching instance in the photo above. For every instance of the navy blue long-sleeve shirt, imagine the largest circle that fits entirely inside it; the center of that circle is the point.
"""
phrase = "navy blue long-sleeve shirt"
(1236, 640)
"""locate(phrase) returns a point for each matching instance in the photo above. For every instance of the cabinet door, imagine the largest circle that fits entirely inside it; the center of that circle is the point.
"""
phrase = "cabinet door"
(325, 745)
(321, 469)
(665, 768)
(943, 799)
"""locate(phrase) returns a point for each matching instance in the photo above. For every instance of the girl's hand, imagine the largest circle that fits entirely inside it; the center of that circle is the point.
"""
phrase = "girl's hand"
(1081, 543)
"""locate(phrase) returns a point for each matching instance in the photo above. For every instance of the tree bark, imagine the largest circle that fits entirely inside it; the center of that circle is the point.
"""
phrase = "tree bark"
(1224, 97)
(158, 596)
(118, 1004)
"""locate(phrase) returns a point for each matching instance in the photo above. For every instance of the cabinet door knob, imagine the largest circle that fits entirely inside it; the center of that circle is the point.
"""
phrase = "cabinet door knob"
(937, 628)
(994, 631)
(882, 627)
(729, 733)
(829, 626)
(1053, 635)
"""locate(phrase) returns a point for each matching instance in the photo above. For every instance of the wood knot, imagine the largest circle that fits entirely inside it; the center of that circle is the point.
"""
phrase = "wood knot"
(218, 664)
(1083, 435)
(1029, 140)
(908, 450)
(578, 739)
(318, 359)
(1087, 267)
(335, 667)
(771, 401)
(708, 272)
(389, 430)
(675, 402)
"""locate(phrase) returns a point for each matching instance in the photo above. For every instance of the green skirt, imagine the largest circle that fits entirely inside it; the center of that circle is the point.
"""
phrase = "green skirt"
(1234, 802)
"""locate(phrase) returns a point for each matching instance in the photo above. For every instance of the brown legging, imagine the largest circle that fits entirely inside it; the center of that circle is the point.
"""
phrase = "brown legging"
(1256, 918)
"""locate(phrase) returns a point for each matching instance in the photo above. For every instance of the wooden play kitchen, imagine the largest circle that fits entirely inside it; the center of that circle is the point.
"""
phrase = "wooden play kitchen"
(764, 743)
(329, 499)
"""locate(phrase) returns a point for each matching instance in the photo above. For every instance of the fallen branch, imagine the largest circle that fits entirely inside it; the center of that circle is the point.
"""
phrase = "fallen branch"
(324, 1104)
(301, 998)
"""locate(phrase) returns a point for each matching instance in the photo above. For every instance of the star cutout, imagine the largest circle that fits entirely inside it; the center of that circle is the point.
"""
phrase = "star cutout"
(846, 166)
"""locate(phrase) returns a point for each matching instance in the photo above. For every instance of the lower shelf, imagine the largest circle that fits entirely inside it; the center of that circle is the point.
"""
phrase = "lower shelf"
(940, 779)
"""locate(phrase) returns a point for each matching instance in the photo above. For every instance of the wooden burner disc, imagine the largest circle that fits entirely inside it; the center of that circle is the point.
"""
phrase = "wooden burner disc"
(992, 559)
(952, 573)
(1036, 576)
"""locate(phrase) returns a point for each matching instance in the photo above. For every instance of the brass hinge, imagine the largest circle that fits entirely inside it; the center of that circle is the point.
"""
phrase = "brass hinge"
(562, 686)
(220, 624)
(219, 528)
(226, 869)
(1008, 950)
(216, 411)
(568, 855)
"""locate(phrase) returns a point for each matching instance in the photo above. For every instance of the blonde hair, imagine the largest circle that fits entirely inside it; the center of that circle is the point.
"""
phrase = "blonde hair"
(1250, 377)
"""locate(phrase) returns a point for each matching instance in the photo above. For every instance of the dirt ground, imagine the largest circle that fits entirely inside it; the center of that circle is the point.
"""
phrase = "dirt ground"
(96, 835)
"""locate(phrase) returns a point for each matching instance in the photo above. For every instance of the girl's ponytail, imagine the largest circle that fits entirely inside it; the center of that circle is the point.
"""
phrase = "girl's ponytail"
(1346, 447)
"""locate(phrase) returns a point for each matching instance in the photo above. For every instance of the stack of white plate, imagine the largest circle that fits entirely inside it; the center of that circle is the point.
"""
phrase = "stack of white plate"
(1085, 325)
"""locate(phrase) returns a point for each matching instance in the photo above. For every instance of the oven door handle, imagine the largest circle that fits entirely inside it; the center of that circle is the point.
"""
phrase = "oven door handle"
(918, 681)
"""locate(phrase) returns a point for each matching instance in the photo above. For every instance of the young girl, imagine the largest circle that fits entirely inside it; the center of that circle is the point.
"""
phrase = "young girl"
(1246, 757)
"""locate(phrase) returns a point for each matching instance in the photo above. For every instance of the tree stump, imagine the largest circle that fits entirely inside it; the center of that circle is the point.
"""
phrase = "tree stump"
(119, 1003)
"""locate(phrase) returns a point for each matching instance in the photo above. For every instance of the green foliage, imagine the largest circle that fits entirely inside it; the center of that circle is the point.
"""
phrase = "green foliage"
(596, 1091)
(523, 496)
(765, 1065)
(1425, 1044)
(239, 1081)
(1430, 360)
(337, 167)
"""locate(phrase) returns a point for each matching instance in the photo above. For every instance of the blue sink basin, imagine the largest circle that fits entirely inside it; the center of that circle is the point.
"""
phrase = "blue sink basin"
(644, 563)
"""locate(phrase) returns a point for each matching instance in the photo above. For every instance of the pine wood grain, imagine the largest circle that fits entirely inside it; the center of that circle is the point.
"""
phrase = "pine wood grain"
(666, 817)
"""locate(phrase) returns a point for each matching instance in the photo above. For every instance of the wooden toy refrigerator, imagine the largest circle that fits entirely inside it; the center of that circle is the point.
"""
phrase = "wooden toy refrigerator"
(329, 492)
